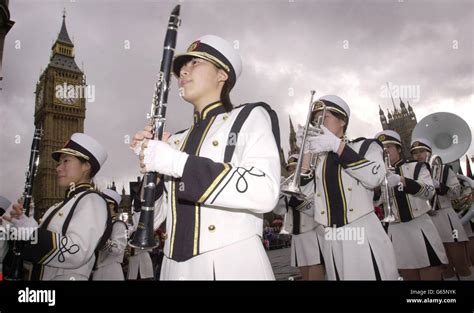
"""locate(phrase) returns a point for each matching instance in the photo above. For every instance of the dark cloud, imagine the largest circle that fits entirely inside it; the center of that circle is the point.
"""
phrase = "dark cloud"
(288, 47)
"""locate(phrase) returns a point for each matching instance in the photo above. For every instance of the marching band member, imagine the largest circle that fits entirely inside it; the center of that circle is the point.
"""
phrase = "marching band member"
(110, 258)
(418, 246)
(355, 245)
(299, 222)
(467, 215)
(447, 222)
(71, 230)
(220, 175)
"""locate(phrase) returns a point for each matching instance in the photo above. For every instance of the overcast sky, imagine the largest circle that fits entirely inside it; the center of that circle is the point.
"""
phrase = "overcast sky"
(348, 48)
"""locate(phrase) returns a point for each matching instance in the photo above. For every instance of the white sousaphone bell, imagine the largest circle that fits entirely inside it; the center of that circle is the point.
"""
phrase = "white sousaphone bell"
(449, 134)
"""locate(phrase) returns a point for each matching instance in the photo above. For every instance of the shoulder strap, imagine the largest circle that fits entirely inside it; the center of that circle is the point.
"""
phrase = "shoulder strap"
(445, 174)
(364, 147)
(108, 228)
(418, 167)
(71, 212)
(239, 122)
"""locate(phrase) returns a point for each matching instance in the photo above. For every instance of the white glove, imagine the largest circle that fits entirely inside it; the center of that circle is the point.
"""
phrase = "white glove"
(162, 158)
(299, 134)
(393, 179)
(324, 142)
(436, 184)
(25, 226)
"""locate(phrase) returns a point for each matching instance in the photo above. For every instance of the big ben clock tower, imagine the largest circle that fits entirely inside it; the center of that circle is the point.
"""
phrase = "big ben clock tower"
(60, 109)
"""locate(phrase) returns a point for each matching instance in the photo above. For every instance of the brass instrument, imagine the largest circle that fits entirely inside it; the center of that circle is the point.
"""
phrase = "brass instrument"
(436, 166)
(291, 186)
(450, 136)
(388, 195)
(464, 202)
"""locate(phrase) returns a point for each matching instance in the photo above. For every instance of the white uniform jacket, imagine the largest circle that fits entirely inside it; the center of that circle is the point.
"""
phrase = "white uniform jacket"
(413, 199)
(345, 184)
(215, 204)
(70, 255)
(110, 258)
(448, 190)
(467, 214)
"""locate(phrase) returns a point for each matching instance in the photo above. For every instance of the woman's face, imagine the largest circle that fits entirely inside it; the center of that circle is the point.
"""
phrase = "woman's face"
(334, 124)
(420, 155)
(72, 171)
(199, 80)
(393, 152)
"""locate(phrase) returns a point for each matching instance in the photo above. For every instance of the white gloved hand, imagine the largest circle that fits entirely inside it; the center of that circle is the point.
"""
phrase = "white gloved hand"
(299, 138)
(160, 157)
(25, 226)
(436, 184)
(325, 142)
(393, 179)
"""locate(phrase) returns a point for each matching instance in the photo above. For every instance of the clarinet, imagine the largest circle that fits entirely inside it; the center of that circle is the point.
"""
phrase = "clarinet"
(144, 237)
(16, 266)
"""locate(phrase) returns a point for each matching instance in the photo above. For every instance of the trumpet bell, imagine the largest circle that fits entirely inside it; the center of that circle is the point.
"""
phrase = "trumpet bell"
(294, 193)
(390, 218)
(291, 189)
(449, 134)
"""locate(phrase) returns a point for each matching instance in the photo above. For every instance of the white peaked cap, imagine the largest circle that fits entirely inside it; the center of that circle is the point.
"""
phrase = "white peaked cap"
(389, 136)
(83, 146)
(424, 141)
(215, 50)
(112, 195)
(336, 104)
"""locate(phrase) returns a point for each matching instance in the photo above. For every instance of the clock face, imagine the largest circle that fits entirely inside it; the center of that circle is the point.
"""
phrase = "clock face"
(68, 100)
(66, 94)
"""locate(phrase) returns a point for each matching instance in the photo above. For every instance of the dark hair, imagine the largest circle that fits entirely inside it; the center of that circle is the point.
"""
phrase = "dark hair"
(225, 97)
(114, 206)
(400, 151)
(92, 173)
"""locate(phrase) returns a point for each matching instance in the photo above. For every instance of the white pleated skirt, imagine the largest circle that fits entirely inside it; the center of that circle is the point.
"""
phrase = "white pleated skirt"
(140, 264)
(305, 249)
(112, 271)
(417, 243)
(368, 255)
(244, 260)
(449, 226)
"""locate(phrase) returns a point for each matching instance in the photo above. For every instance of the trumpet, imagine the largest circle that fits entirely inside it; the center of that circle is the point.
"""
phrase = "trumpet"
(292, 185)
(436, 166)
(388, 195)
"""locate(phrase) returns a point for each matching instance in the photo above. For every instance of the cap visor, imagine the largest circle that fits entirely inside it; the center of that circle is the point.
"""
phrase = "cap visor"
(57, 154)
(181, 59)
